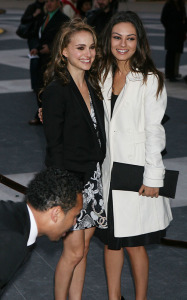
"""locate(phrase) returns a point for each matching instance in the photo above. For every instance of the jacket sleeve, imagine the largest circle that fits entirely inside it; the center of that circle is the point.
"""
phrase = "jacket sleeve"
(154, 109)
(11, 256)
(53, 30)
(28, 14)
(53, 121)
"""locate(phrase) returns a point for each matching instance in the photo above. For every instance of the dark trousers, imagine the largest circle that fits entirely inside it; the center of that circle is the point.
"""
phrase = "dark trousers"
(34, 63)
(170, 64)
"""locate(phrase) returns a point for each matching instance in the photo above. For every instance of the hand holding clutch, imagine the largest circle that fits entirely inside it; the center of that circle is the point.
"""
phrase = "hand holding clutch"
(149, 191)
(128, 177)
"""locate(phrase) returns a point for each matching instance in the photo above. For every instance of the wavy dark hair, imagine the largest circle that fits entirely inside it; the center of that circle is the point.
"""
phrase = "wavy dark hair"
(57, 67)
(140, 61)
(53, 187)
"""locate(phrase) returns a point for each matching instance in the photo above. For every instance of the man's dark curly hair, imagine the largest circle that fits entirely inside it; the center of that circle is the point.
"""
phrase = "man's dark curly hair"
(53, 187)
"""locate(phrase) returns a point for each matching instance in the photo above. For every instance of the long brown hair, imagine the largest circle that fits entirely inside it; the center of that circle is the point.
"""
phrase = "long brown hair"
(141, 60)
(57, 67)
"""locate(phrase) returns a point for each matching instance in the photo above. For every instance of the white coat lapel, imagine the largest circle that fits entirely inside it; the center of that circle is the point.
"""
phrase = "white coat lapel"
(107, 91)
(120, 99)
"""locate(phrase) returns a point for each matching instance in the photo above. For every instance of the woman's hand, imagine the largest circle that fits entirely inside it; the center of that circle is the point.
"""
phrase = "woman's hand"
(37, 12)
(40, 114)
(34, 51)
(45, 49)
(149, 191)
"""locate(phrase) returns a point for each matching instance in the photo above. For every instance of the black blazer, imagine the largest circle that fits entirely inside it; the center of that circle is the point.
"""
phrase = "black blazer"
(50, 31)
(72, 141)
(14, 234)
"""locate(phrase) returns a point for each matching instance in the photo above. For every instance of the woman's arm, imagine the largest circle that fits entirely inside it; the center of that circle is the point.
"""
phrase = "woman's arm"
(154, 109)
(53, 121)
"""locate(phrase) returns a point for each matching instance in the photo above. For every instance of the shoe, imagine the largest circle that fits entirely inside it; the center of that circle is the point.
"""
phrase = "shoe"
(35, 122)
(178, 76)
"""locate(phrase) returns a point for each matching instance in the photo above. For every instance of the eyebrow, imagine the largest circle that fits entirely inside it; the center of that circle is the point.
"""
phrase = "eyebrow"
(78, 45)
(121, 34)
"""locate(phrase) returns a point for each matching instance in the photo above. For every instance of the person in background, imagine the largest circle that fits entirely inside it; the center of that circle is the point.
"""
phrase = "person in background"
(99, 17)
(134, 103)
(54, 19)
(173, 18)
(73, 121)
(50, 208)
(83, 7)
(34, 14)
(69, 8)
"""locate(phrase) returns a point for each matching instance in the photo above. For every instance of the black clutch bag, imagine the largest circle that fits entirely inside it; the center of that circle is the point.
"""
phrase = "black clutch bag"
(128, 177)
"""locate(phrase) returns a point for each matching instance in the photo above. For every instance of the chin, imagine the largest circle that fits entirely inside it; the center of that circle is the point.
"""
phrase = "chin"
(54, 239)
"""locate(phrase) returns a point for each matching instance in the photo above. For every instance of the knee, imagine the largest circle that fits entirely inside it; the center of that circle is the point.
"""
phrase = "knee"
(77, 255)
(135, 250)
(73, 257)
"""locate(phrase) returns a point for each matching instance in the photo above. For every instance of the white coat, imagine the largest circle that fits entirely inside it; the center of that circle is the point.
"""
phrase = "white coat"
(135, 136)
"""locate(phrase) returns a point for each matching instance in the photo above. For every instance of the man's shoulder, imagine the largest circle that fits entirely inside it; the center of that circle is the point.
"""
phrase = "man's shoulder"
(61, 16)
(32, 7)
(93, 13)
(11, 211)
(11, 204)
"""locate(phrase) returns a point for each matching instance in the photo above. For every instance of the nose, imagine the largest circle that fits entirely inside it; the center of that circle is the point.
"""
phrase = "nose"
(88, 52)
(123, 42)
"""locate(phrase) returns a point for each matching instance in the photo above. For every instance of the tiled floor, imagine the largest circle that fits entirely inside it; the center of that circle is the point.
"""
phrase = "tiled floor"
(22, 154)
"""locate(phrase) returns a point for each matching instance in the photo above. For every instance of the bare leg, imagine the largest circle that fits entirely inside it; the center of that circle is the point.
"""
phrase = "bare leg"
(70, 270)
(72, 254)
(77, 283)
(114, 260)
(140, 268)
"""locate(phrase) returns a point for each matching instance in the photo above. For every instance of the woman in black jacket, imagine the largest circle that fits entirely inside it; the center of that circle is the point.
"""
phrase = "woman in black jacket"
(73, 122)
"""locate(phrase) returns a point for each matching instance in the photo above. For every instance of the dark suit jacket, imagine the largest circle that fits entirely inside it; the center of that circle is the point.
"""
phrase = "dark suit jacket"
(14, 234)
(98, 19)
(50, 31)
(174, 21)
(72, 141)
(48, 37)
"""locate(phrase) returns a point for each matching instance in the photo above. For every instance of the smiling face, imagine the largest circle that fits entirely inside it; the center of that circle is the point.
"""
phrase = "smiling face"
(123, 41)
(80, 52)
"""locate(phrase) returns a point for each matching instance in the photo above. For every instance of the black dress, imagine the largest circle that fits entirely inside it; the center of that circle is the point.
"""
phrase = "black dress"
(107, 236)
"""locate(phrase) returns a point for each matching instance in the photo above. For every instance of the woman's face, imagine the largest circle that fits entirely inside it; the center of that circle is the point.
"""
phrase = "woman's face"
(123, 41)
(80, 52)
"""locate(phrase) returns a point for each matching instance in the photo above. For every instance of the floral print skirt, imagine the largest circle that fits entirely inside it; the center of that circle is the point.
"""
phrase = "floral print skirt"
(93, 212)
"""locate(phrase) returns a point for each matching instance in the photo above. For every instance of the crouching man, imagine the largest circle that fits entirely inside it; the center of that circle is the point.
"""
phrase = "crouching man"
(50, 208)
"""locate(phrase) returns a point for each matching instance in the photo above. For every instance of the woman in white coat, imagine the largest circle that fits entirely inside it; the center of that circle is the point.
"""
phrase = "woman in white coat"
(134, 102)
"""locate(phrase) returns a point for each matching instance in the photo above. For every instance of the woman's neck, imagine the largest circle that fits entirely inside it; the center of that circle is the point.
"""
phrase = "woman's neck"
(123, 68)
(78, 76)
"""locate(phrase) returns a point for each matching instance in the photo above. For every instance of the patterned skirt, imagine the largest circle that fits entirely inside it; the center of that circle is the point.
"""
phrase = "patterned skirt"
(93, 212)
